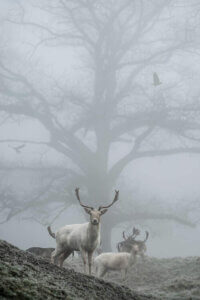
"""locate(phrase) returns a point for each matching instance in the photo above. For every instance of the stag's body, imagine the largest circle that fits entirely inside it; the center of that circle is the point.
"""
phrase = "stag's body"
(79, 237)
(110, 261)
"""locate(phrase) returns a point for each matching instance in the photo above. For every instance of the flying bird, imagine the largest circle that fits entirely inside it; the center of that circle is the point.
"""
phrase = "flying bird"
(18, 148)
(156, 80)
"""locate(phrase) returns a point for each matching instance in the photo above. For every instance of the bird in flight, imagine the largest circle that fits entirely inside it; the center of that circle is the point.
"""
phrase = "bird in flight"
(18, 148)
(156, 80)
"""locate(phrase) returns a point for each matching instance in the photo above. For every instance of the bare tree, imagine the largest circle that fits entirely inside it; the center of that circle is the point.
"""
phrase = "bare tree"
(120, 41)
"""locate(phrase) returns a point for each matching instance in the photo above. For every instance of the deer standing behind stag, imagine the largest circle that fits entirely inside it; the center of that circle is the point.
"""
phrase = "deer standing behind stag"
(128, 242)
(80, 237)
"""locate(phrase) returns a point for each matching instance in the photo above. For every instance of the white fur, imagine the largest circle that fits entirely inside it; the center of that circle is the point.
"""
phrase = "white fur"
(80, 237)
(77, 237)
(111, 261)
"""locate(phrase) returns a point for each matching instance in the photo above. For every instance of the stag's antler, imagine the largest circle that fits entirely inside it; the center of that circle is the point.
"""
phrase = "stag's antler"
(135, 232)
(124, 237)
(114, 200)
(77, 196)
(147, 235)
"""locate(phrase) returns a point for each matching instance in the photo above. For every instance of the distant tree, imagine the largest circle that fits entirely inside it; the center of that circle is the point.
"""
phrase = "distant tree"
(121, 43)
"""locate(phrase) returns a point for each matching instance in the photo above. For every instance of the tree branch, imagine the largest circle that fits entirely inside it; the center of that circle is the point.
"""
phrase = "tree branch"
(152, 216)
(122, 163)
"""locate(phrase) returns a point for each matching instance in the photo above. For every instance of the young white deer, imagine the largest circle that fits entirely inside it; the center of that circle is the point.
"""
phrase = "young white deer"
(111, 261)
(80, 237)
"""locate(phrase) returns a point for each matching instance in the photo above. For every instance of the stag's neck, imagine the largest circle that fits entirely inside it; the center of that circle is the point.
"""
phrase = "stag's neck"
(93, 229)
(93, 233)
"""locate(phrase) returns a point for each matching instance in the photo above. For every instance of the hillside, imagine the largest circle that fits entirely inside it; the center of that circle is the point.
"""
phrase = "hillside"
(26, 276)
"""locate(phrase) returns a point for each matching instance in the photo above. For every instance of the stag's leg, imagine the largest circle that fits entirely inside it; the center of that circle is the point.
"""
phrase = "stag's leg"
(56, 253)
(90, 261)
(63, 257)
(52, 257)
(83, 254)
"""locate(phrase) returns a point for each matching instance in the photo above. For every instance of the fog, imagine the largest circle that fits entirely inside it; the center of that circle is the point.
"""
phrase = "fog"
(103, 95)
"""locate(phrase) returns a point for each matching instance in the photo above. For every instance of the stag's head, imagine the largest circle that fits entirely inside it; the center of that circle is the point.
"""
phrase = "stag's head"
(95, 213)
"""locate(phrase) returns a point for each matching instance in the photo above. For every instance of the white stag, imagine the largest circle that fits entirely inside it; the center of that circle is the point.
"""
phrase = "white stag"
(80, 237)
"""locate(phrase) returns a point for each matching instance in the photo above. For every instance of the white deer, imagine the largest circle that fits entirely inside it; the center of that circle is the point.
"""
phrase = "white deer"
(111, 261)
(80, 237)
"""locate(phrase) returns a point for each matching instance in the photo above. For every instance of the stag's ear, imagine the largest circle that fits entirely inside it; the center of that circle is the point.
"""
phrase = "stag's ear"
(87, 210)
(103, 211)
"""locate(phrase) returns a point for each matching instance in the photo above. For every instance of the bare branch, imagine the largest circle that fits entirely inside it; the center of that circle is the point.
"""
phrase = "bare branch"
(121, 164)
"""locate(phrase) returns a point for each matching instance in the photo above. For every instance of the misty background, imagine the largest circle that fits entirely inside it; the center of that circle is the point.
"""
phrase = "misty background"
(102, 95)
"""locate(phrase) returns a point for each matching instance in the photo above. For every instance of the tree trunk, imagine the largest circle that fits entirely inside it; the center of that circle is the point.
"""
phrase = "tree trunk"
(107, 225)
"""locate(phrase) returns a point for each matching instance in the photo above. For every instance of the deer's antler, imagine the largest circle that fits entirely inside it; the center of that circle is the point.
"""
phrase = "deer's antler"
(147, 235)
(135, 232)
(78, 197)
(114, 200)
(124, 237)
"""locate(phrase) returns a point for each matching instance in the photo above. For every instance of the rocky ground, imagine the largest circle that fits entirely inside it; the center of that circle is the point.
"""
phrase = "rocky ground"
(26, 276)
